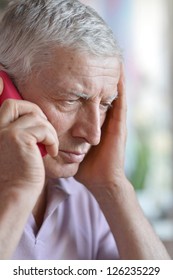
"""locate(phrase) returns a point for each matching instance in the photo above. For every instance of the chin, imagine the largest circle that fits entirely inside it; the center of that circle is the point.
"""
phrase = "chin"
(57, 169)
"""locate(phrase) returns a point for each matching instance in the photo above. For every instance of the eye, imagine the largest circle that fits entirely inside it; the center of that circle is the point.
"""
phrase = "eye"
(71, 102)
(105, 106)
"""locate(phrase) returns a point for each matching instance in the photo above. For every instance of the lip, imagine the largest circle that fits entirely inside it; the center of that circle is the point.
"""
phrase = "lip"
(72, 157)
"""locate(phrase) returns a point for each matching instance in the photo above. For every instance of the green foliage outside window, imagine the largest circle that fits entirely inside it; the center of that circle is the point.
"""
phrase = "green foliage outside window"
(139, 174)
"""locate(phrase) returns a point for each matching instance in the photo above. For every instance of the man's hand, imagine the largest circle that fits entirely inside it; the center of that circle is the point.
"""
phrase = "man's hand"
(22, 173)
(22, 125)
(102, 172)
(104, 163)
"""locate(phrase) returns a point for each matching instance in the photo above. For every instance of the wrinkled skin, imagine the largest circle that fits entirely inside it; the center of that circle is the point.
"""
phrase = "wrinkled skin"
(65, 108)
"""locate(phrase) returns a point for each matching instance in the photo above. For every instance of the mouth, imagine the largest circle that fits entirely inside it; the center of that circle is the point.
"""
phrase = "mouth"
(72, 157)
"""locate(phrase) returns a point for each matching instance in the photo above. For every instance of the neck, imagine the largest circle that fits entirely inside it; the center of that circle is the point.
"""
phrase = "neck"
(40, 207)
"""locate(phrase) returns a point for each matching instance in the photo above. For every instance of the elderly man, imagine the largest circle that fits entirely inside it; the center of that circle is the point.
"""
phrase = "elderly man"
(75, 202)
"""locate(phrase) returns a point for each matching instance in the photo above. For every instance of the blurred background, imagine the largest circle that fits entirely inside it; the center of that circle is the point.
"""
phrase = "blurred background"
(143, 29)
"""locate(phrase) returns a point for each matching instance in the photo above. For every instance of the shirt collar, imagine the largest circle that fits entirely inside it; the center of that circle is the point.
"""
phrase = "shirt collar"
(66, 185)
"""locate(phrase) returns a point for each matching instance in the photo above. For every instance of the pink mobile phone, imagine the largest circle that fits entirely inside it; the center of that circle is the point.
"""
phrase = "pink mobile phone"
(10, 91)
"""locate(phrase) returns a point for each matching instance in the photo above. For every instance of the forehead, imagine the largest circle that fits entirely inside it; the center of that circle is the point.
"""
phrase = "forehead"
(81, 71)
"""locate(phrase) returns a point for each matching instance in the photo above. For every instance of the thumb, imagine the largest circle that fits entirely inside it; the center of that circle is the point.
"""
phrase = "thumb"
(1, 85)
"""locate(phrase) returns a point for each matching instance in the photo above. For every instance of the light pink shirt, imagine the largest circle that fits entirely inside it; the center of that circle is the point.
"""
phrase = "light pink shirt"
(73, 227)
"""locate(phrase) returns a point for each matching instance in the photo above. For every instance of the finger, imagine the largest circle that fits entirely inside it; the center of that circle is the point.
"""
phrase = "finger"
(32, 121)
(13, 109)
(121, 89)
(1, 85)
(120, 105)
(29, 120)
(41, 134)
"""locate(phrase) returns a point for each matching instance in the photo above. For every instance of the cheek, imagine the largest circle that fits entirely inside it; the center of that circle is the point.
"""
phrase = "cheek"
(62, 122)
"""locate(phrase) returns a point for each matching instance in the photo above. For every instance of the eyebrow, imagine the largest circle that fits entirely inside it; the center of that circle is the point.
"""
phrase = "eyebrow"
(86, 96)
(81, 95)
(114, 96)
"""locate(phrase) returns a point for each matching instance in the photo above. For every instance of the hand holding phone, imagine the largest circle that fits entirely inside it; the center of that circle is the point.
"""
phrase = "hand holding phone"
(10, 92)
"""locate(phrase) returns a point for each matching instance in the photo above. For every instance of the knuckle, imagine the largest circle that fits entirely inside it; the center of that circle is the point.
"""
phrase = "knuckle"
(9, 136)
(30, 140)
(8, 103)
(37, 109)
(35, 115)
(36, 118)
(14, 134)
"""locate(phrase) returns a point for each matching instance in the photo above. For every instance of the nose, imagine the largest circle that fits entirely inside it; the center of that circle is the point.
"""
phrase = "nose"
(88, 124)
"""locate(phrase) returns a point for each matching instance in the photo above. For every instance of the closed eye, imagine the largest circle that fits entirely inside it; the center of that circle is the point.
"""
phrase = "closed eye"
(105, 106)
(68, 105)
(71, 101)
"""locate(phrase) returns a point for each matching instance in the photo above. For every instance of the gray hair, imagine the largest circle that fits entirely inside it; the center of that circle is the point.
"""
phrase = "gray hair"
(31, 29)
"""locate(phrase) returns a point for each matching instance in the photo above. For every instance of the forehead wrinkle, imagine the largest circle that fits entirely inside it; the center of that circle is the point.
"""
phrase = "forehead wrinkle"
(104, 69)
(99, 71)
(82, 82)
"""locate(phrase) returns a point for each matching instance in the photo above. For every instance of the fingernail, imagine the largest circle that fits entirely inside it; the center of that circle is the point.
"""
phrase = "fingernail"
(1, 85)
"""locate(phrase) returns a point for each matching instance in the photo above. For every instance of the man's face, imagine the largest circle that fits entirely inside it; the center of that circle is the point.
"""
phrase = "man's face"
(75, 92)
